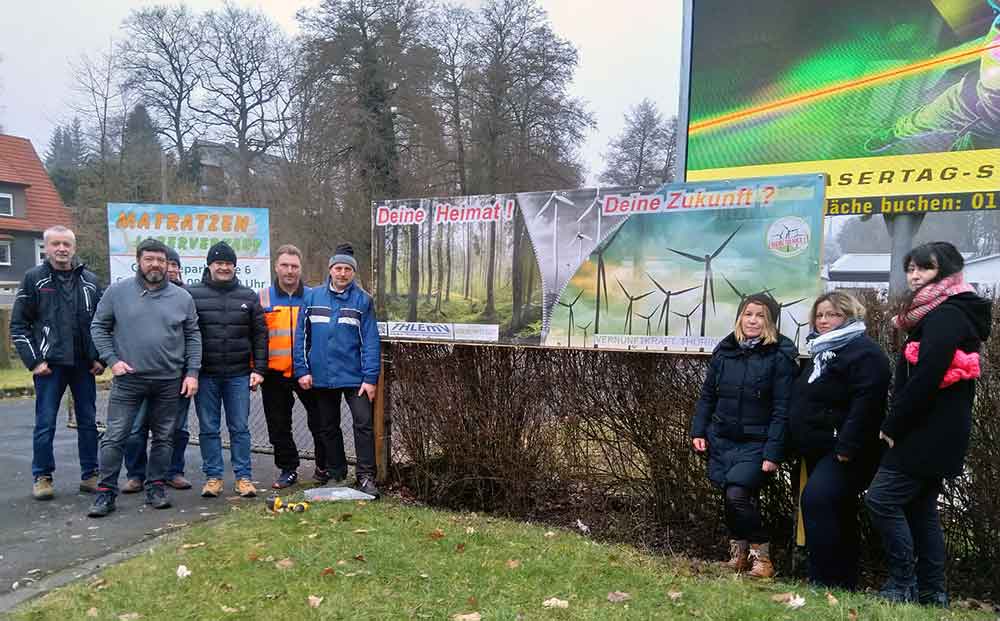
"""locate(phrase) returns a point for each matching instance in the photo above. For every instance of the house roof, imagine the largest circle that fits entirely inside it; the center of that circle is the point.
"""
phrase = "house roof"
(19, 165)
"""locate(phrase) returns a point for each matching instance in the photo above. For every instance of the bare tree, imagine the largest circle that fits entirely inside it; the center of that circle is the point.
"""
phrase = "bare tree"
(642, 153)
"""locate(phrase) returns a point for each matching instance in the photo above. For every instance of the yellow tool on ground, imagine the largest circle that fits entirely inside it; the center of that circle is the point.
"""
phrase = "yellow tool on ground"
(276, 505)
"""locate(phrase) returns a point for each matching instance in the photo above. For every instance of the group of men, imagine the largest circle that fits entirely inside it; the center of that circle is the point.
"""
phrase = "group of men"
(213, 342)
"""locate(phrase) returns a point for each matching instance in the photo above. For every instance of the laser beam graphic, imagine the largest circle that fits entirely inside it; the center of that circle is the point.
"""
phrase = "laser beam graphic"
(826, 91)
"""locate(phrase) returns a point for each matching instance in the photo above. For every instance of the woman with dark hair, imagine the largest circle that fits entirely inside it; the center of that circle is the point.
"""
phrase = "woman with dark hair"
(838, 403)
(928, 424)
(740, 421)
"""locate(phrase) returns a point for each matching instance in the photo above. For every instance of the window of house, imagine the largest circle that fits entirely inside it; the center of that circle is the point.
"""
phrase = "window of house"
(40, 255)
(6, 204)
(4, 253)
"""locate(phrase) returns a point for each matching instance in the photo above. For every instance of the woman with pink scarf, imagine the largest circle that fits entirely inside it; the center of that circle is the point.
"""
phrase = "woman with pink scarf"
(929, 421)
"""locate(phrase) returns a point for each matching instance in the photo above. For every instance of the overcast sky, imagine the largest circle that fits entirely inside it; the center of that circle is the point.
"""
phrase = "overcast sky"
(628, 50)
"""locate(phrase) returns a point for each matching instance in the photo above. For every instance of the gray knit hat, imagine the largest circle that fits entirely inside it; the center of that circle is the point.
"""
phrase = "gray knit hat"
(344, 254)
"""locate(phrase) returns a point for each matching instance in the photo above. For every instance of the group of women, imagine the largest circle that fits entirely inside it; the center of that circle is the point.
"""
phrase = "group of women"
(759, 407)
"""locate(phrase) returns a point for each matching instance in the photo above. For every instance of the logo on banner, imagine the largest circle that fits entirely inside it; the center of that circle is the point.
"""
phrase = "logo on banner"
(788, 237)
(417, 330)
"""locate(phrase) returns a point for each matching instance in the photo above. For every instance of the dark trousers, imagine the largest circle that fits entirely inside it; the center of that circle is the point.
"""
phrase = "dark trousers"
(904, 511)
(830, 512)
(49, 390)
(135, 446)
(328, 401)
(278, 393)
(127, 395)
(743, 514)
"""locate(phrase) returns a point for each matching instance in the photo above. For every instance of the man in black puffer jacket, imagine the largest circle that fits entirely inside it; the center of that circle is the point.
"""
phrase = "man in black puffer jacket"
(234, 355)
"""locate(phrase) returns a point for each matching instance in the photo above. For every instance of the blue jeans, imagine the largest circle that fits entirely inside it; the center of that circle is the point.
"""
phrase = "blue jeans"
(49, 390)
(135, 446)
(213, 394)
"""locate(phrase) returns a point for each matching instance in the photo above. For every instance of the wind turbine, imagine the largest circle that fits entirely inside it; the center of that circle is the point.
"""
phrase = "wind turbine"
(585, 328)
(742, 296)
(687, 319)
(665, 307)
(602, 279)
(554, 199)
(708, 287)
(569, 337)
(648, 317)
(782, 306)
(579, 239)
(594, 203)
(798, 327)
(631, 302)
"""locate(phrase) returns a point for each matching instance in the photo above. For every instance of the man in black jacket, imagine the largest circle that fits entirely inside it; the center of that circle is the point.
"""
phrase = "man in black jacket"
(234, 356)
(50, 327)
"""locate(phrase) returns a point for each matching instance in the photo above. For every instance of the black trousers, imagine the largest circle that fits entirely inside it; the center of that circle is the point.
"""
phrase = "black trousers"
(743, 514)
(278, 394)
(328, 400)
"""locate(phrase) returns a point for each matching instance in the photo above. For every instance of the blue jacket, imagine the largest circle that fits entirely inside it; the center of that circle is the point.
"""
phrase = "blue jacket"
(337, 341)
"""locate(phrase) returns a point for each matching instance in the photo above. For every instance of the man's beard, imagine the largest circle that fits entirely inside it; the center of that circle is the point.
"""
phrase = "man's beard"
(152, 277)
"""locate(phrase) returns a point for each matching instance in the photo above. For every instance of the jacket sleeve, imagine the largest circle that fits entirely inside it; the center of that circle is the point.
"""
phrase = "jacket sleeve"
(300, 346)
(371, 346)
(785, 370)
(868, 382)
(94, 354)
(941, 335)
(22, 319)
(705, 407)
(258, 327)
(192, 340)
(101, 328)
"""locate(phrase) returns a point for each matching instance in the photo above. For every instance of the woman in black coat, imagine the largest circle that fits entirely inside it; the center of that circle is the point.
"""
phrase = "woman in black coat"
(928, 425)
(740, 421)
(838, 403)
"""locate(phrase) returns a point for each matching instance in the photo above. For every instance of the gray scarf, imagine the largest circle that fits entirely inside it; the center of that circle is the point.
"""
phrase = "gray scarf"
(823, 347)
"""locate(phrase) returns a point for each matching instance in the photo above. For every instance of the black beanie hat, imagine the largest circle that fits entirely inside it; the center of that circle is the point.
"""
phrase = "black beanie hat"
(344, 254)
(221, 252)
(173, 256)
(764, 299)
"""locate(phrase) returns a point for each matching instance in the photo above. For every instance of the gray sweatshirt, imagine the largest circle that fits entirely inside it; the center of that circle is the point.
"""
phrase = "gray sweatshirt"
(155, 331)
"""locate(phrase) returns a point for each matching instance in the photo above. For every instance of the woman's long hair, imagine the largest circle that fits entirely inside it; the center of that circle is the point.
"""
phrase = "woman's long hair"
(770, 331)
(941, 255)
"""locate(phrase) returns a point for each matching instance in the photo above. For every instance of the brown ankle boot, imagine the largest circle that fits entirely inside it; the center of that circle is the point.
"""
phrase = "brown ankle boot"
(760, 556)
(738, 551)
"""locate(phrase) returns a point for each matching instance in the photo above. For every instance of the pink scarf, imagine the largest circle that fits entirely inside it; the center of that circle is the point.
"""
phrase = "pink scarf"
(930, 297)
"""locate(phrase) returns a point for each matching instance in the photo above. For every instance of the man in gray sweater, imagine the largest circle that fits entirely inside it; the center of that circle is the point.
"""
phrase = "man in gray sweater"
(146, 329)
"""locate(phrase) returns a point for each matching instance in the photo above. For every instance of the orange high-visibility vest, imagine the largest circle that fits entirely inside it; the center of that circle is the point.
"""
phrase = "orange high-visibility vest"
(280, 332)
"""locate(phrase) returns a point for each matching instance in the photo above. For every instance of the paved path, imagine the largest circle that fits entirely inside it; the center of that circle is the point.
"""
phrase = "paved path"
(38, 539)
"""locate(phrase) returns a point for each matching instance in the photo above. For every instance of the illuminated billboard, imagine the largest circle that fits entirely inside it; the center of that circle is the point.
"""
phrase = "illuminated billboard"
(898, 101)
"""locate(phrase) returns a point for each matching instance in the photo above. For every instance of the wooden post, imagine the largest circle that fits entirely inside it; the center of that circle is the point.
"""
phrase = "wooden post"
(381, 437)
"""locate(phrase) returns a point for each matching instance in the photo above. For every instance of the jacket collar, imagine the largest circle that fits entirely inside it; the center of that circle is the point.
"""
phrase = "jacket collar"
(347, 290)
(142, 284)
(76, 266)
(206, 279)
(299, 292)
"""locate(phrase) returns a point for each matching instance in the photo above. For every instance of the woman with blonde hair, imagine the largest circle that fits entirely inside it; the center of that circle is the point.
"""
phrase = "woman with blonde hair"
(740, 422)
(838, 403)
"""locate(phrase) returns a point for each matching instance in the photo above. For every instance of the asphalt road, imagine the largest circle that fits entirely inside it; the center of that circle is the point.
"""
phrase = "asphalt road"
(39, 539)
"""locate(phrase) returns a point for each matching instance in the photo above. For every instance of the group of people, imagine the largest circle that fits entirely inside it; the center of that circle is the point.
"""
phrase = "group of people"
(759, 407)
(213, 342)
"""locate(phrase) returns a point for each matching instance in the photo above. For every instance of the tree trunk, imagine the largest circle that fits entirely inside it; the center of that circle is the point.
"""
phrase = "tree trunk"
(414, 293)
(517, 276)
(393, 289)
(378, 238)
(447, 286)
(491, 310)
(430, 258)
(468, 258)
(440, 270)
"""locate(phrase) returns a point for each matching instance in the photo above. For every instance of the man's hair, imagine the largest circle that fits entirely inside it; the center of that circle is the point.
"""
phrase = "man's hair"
(288, 249)
(57, 230)
(150, 245)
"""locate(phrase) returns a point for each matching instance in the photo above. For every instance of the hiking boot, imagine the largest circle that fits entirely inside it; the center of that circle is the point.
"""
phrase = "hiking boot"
(42, 489)
(245, 488)
(179, 482)
(103, 505)
(156, 496)
(212, 488)
(367, 485)
(933, 598)
(89, 485)
(760, 557)
(892, 591)
(287, 478)
(132, 486)
(739, 551)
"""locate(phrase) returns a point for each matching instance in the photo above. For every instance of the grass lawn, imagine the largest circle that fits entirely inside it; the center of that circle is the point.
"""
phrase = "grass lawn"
(15, 377)
(390, 561)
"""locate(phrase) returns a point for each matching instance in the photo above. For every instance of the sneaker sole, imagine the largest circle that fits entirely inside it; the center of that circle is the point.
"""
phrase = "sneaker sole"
(43, 496)
(205, 494)
(165, 505)
(100, 515)
(188, 486)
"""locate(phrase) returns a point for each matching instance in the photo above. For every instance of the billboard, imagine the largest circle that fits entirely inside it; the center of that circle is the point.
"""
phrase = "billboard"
(898, 101)
(191, 230)
(617, 268)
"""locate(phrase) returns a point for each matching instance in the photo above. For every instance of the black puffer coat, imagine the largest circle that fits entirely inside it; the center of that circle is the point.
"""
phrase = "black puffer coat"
(233, 331)
(743, 409)
(931, 425)
(842, 410)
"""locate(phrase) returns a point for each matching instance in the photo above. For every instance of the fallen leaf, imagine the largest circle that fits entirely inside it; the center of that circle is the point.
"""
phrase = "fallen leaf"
(361, 531)
(471, 616)
(436, 534)
(98, 584)
(359, 557)
(555, 602)
(424, 576)
(782, 598)
(513, 564)
(346, 517)
(550, 534)
(472, 602)
(129, 616)
(341, 562)
(253, 555)
(229, 610)
(313, 535)
(92, 612)
(796, 602)
(830, 599)
(470, 530)
(674, 595)
(328, 571)
(852, 615)
(285, 563)
(460, 548)
(183, 571)
(361, 503)
(225, 586)
(351, 574)
(314, 601)
(582, 527)
(191, 546)
(618, 596)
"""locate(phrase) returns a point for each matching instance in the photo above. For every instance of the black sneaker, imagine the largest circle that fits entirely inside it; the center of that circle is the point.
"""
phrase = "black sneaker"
(103, 505)
(367, 485)
(156, 496)
(338, 476)
(321, 476)
(287, 478)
